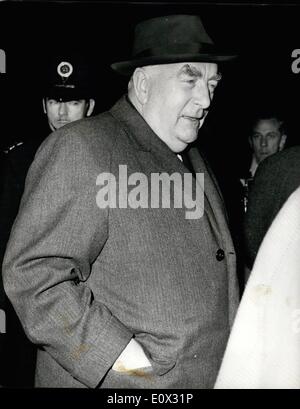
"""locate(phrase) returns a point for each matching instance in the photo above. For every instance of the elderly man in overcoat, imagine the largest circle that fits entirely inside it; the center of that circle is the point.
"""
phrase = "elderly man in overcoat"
(120, 289)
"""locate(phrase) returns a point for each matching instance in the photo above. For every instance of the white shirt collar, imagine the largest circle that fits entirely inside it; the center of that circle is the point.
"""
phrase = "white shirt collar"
(253, 167)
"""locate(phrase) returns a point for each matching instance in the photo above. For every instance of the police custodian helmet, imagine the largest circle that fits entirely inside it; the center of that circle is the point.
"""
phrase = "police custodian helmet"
(68, 78)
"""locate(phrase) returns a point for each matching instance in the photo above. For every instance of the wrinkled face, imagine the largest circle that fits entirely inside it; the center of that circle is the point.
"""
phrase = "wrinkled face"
(60, 113)
(178, 101)
(266, 139)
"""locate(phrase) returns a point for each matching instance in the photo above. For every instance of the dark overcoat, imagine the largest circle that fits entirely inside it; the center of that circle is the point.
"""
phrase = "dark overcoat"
(85, 279)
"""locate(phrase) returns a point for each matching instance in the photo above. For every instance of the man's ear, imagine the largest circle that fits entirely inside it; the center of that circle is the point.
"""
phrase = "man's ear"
(44, 106)
(282, 142)
(141, 82)
(91, 107)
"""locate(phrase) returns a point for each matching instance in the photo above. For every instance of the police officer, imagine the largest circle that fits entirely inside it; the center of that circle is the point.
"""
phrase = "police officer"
(67, 97)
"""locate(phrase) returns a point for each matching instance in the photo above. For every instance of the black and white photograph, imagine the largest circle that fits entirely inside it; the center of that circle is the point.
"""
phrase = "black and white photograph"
(149, 197)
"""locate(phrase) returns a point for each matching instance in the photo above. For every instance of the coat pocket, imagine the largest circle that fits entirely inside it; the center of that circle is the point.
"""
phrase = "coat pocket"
(151, 377)
(161, 366)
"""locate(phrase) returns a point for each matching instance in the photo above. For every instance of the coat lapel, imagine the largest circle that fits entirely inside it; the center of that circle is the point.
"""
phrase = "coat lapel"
(214, 200)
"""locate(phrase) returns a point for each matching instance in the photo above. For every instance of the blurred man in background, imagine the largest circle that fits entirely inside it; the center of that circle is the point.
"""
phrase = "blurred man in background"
(267, 136)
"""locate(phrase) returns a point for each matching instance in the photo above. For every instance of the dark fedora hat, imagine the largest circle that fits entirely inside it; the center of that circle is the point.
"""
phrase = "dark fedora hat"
(171, 39)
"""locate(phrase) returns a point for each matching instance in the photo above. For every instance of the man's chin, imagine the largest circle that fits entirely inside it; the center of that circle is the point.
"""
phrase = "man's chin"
(182, 141)
(188, 139)
(263, 157)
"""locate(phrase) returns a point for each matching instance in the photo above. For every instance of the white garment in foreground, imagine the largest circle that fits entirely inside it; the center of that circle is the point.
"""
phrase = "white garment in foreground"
(263, 350)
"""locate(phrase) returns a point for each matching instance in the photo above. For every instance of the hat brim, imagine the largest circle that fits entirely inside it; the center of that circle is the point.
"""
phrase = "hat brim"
(127, 67)
(67, 94)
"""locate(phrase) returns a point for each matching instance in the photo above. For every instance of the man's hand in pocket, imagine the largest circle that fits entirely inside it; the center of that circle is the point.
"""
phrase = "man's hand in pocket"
(132, 357)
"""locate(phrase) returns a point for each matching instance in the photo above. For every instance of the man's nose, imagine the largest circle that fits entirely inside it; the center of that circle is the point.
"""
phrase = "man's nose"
(62, 109)
(264, 141)
(202, 96)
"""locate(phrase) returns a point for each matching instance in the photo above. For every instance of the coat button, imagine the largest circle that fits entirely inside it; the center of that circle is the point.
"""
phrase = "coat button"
(220, 255)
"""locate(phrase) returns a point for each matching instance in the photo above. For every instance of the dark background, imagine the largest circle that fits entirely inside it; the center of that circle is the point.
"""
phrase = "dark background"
(264, 37)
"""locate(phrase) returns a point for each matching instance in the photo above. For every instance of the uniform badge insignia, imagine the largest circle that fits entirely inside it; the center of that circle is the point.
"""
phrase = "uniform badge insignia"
(64, 69)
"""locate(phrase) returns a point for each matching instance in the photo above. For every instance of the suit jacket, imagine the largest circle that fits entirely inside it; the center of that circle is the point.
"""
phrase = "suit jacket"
(276, 178)
(263, 349)
(85, 279)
